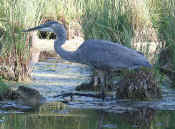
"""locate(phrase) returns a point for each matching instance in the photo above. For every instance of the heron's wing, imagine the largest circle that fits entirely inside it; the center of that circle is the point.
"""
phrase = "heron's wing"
(107, 55)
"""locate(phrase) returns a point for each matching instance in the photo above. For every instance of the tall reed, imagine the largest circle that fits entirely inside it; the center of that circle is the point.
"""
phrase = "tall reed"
(107, 19)
(15, 54)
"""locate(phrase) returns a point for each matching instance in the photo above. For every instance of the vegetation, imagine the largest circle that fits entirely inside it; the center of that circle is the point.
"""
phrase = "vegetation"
(3, 87)
(128, 22)
(139, 85)
(14, 53)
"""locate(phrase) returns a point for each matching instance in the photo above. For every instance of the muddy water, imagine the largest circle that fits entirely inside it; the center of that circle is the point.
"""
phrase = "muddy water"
(54, 77)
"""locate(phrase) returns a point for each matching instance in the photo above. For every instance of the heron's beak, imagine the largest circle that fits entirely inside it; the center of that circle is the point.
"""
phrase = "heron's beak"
(43, 27)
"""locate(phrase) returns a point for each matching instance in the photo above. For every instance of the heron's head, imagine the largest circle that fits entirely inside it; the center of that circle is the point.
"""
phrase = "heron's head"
(49, 26)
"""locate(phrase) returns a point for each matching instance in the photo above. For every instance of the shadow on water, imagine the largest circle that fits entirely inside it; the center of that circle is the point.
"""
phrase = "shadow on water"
(52, 78)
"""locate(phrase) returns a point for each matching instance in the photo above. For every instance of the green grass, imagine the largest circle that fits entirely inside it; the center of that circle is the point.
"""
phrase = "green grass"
(3, 87)
(109, 20)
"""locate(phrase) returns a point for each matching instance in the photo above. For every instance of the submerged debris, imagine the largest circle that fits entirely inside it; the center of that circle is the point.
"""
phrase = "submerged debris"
(140, 84)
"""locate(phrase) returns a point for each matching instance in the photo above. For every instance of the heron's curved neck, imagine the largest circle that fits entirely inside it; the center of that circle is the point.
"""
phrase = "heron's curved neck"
(60, 40)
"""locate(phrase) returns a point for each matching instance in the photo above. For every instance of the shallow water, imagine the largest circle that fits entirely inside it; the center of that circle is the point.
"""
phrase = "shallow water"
(53, 77)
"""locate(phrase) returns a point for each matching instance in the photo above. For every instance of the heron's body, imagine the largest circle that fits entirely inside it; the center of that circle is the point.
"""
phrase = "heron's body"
(100, 54)
(109, 56)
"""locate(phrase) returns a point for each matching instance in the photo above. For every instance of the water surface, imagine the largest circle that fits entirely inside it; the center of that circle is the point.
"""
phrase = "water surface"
(54, 77)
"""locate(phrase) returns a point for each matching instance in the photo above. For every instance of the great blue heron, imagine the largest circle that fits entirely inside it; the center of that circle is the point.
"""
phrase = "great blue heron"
(100, 54)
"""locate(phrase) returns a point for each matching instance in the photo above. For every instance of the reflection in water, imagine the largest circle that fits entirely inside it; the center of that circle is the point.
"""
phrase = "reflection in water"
(57, 116)
(141, 118)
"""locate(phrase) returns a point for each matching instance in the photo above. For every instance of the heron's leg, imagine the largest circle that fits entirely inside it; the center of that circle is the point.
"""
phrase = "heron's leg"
(102, 77)
(96, 81)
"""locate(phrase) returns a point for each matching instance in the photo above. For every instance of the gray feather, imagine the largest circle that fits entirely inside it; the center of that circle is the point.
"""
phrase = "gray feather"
(107, 55)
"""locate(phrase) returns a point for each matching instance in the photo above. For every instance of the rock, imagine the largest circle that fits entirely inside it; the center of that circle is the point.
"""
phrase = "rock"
(138, 85)
(24, 96)
(22, 99)
(46, 54)
(29, 97)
